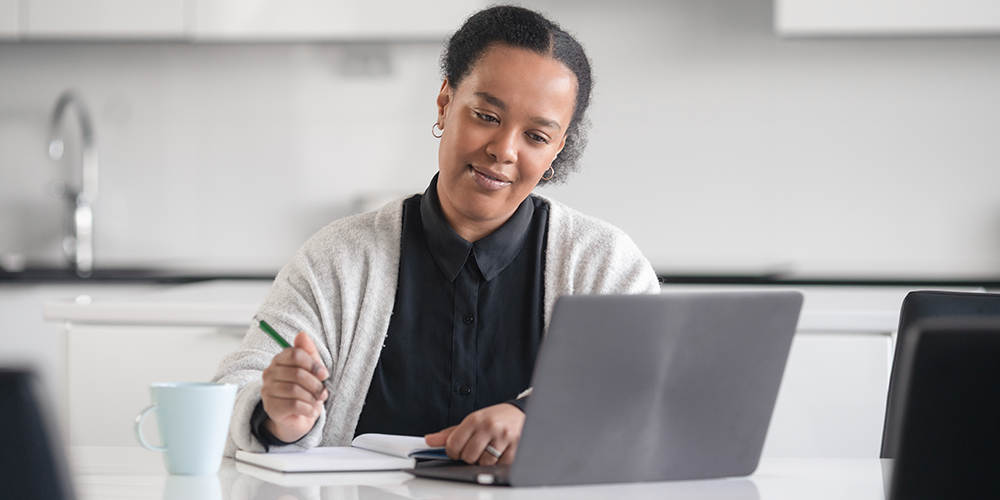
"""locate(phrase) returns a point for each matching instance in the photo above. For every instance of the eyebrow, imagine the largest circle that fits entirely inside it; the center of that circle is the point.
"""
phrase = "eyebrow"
(496, 101)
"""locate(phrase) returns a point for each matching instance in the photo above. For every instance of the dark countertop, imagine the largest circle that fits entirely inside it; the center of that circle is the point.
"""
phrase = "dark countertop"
(41, 275)
(989, 282)
(125, 275)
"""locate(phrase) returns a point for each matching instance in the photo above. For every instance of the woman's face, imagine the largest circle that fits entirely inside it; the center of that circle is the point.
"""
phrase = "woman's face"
(502, 127)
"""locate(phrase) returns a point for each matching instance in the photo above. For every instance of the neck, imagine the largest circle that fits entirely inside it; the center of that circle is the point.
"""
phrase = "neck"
(469, 229)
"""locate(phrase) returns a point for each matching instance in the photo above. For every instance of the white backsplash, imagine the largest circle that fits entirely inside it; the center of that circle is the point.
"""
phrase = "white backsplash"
(716, 144)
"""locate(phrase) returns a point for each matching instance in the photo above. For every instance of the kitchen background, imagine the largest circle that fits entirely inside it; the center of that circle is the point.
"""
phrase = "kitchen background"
(720, 146)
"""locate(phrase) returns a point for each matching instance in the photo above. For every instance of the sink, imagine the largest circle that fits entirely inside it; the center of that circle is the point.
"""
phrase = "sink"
(124, 275)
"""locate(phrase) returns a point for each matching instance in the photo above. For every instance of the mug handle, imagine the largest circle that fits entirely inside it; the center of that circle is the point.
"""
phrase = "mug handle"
(138, 430)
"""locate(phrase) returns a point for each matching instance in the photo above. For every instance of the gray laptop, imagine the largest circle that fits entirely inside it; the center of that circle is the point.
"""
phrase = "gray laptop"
(649, 388)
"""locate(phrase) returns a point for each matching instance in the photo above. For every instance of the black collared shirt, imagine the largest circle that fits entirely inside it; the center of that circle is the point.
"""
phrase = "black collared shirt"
(466, 326)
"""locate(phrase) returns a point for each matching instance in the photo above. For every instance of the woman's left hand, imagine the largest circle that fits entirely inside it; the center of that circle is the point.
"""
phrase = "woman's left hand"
(498, 426)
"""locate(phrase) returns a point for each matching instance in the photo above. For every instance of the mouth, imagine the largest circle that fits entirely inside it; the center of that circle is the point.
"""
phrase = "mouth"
(488, 180)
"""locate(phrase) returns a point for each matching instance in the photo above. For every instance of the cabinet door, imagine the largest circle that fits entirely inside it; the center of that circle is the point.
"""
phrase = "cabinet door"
(109, 369)
(104, 19)
(886, 17)
(832, 398)
(328, 19)
(8, 19)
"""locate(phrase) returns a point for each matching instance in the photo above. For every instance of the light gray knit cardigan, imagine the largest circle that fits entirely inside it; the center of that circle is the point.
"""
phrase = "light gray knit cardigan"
(340, 287)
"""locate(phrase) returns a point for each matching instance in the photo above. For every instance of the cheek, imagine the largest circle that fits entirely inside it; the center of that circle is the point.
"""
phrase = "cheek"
(539, 164)
(461, 143)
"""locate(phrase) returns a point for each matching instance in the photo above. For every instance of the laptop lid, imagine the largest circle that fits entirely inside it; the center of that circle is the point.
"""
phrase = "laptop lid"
(948, 440)
(655, 387)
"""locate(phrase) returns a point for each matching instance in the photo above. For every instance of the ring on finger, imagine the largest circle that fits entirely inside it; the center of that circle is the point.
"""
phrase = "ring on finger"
(493, 451)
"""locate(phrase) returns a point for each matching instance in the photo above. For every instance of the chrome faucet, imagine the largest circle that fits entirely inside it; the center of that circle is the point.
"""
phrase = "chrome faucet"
(78, 242)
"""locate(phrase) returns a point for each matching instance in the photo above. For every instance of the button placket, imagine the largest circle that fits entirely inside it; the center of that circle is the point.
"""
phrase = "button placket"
(464, 369)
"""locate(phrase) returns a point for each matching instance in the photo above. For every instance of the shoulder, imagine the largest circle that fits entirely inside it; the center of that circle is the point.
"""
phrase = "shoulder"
(367, 229)
(588, 255)
(572, 227)
(357, 241)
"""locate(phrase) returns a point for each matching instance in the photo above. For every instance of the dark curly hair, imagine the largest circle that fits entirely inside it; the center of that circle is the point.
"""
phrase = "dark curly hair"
(525, 29)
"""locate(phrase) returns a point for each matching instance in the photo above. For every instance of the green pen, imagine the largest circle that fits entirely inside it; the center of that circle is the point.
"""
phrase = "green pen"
(285, 345)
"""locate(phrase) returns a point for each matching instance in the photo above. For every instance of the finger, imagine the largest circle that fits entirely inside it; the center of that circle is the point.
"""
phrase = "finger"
(488, 458)
(475, 447)
(280, 409)
(296, 356)
(468, 441)
(508, 454)
(295, 375)
(456, 441)
(439, 438)
(287, 390)
(304, 342)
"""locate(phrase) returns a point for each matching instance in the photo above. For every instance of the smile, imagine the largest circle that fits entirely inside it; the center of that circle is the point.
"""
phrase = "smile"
(488, 180)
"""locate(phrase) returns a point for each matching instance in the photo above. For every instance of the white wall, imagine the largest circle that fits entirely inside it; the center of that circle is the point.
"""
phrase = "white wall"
(717, 145)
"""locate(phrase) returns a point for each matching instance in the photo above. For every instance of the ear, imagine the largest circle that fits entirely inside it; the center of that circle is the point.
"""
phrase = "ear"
(562, 144)
(443, 100)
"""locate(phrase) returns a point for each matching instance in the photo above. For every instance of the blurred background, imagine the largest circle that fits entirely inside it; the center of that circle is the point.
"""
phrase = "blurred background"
(846, 147)
(721, 144)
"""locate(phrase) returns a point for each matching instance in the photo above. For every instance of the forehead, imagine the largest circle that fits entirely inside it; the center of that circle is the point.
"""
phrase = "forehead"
(524, 79)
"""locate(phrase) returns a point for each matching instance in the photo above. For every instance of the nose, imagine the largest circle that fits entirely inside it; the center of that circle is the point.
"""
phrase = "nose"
(503, 145)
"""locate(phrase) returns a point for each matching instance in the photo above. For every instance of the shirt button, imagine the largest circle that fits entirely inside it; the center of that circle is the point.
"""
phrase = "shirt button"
(467, 319)
(465, 390)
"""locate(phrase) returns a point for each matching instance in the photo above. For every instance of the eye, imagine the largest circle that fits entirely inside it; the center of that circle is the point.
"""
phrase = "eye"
(537, 138)
(486, 118)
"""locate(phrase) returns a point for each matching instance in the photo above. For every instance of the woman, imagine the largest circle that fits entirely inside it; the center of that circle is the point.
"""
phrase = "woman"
(427, 314)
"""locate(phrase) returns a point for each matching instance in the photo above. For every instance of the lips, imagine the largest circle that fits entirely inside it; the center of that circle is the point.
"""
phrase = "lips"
(488, 180)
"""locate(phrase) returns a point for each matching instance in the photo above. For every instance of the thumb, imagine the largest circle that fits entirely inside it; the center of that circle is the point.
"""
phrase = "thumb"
(439, 438)
(304, 342)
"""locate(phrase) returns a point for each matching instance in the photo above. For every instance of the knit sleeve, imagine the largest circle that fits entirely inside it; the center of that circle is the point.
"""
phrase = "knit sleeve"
(297, 302)
(339, 289)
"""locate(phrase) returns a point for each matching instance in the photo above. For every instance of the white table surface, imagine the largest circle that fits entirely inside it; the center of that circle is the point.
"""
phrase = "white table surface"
(135, 473)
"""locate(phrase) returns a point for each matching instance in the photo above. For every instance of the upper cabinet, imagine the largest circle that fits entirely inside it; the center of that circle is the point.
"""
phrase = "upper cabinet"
(8, 19)
(263, 20)
(233, 20)
(103, 19)
(886, 17)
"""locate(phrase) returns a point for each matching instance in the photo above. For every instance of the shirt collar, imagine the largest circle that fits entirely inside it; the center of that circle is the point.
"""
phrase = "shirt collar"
(492, 254)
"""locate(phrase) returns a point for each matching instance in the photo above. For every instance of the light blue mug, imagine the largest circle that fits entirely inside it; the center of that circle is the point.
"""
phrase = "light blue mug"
(193, 419)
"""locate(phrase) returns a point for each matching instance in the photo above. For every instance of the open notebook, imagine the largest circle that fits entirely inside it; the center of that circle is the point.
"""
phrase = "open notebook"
(367, 452)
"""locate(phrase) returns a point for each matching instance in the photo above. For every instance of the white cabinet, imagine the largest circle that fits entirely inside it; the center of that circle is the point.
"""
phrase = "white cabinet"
(103, 19)
(233, 20)
(326, 20)
(113, 349)
(8, 19)
(886, 17)
(832, 398)
(109, 369)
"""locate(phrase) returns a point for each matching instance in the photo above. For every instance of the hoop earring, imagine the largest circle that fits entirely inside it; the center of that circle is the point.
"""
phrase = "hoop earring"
(553, 174)
(437, 126)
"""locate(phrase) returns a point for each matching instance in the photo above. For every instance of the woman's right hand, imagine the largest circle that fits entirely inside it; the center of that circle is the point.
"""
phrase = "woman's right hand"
(293, 391)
